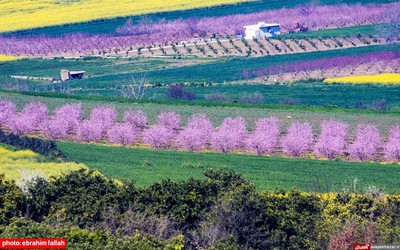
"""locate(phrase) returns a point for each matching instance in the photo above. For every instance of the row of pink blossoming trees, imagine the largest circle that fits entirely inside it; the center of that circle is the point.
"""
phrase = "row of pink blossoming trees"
(199, 133)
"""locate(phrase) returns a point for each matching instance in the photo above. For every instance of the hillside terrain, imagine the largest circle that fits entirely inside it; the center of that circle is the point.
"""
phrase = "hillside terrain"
(170, 125)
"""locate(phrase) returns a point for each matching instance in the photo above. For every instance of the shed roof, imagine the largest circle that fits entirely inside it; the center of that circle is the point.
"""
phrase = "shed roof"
(76, 72)
(261, 25)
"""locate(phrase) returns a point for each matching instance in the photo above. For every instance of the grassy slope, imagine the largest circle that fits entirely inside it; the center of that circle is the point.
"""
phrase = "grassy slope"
(95, 66)
(110, 25)
(147, 166)
(314, 94)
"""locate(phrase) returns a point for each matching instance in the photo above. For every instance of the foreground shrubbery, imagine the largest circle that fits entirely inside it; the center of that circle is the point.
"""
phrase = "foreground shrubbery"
(223, 211)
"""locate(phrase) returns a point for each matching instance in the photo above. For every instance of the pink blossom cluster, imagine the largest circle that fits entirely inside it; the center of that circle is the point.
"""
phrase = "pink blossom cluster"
(229, 135)
(196, 135)
(366, 143)
(332, 139)
(67, 123)
(298, 139)
(265, 136)
(392, 148)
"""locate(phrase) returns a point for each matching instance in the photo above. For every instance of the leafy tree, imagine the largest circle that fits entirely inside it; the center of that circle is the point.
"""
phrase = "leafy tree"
(179, 93)
(80, 197)
(12, 200)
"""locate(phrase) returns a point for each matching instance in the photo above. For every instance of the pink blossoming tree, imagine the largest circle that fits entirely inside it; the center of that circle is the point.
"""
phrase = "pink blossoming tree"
(158, 136)
(197, 133)
(230, 135)
(366, 143)
(392, 147)
(298, 139)
(331, 141)
(169, 120)
(7, 110)
(265, 136)
(136, 118)
(123, 134)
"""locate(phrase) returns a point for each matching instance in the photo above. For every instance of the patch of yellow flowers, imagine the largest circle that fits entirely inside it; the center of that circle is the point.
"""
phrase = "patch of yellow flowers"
(4, 58)
(26, 14)
(14, 164)
(389, 79)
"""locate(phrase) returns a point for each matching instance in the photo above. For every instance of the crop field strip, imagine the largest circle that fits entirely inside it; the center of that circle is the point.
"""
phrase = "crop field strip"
(378, 79)
(20, 164)
(268, 173)
(42, 13)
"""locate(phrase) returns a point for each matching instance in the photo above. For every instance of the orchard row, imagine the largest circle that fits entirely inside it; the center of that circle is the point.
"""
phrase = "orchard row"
(199, 133)
(379, 61)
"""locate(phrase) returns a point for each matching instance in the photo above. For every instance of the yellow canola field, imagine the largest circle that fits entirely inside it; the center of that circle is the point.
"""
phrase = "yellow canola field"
(390, 79)
(26, 14)
(17, 164)
(4, 58)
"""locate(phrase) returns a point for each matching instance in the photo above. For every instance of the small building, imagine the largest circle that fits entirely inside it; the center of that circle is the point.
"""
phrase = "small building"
(261, 30)
(67, 75)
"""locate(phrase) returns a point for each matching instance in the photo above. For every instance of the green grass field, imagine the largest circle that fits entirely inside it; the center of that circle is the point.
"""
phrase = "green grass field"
(110, 25)
(311, 93)
(303, 93)
(268, 173)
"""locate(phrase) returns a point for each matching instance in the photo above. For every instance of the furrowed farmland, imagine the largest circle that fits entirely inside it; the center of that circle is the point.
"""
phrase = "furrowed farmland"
(201, 125)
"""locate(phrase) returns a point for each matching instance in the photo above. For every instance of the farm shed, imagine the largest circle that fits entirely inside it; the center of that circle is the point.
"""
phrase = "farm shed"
(261, 30)
(67, 75)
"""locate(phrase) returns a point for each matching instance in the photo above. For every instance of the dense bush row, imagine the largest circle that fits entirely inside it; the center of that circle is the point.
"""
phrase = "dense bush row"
(199, 133)
(222, 211)
(43, 147)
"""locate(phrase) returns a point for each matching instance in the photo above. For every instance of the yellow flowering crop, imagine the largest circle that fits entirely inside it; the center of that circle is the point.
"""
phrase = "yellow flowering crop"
(26, 14)
(390, 79)
(15, 164)
(4, 58)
